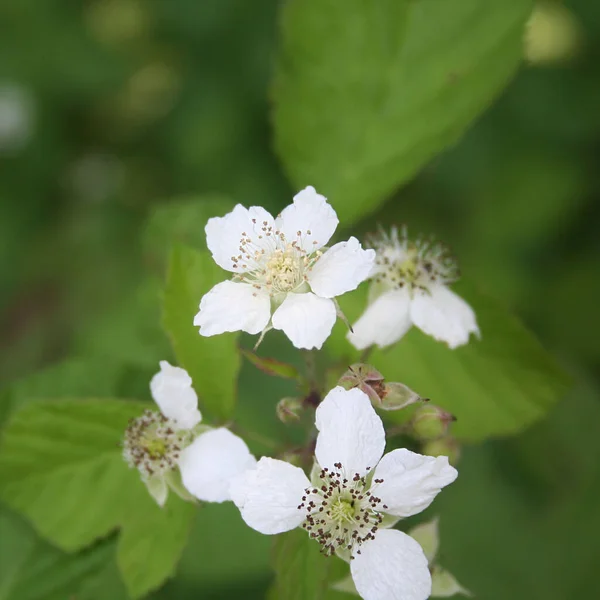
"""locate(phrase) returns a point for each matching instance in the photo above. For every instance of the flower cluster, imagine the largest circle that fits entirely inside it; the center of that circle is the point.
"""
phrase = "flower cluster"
(356, 495)
(285, 277)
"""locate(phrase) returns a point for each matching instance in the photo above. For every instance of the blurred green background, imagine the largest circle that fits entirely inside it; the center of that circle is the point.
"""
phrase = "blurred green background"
(109, 108)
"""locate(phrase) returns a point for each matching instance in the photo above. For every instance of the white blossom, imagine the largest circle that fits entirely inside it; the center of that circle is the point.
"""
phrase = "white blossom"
(356, 495)
(410, 287)
(171, 450)
(284, 277)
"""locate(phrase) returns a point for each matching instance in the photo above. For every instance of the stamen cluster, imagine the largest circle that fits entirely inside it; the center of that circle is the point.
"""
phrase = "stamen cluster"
(343, 513)
(415, 264)
(153, 443)
(274, 263)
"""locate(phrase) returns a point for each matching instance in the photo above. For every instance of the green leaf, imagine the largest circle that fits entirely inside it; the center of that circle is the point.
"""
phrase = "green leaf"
(71, 377)
(301, 571)
(31, 569)
(494, 386)
(213, 363)
(130, 332)
(367, 92)
(61, 466)
(271, 366)
(180, 222)
(152, 542)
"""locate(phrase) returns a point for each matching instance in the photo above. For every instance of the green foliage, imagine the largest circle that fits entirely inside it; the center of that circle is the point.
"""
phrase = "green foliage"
(494, 386)
(367, 92)
(61, 466)
(213, 363)
(31, 569)
(301, 571)
(70, 377)
(180, 222)
(152, 541)
(271, 366)
(130, 333)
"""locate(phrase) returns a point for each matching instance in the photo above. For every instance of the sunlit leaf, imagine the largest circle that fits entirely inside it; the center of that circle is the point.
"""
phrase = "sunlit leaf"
(213, 363)
(494, 386)
(367, 92)
(61, 466)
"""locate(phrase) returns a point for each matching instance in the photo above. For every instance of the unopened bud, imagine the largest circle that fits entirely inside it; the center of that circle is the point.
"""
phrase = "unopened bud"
(289, 409)
(366, 378)
(446, 446)
(431, 422)
(396, 395)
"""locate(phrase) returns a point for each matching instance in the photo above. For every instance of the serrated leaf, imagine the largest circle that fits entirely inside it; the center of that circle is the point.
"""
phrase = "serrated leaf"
(61, 466)
(31, 569)
(152, 542)
(70, 377)
(213, 363)
(301, 571)
(271, 366)
(180, 222)
(494, 386)
(367, 92)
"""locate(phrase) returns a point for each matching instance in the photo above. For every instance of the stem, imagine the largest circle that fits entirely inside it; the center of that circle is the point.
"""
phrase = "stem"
(364, 357)
(311, 370)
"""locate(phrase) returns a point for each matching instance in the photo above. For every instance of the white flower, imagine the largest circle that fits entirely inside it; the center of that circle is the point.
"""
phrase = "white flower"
(172, 390)
(356, 495)
(410, 287)
(171, 450)
(282, 277)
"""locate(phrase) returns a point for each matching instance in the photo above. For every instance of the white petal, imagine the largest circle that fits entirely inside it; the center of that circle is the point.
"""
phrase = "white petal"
(350, 432)
(312, 216)
(269, 495)
(224, 236)
(411, 481)
(384, 321)
(211, 462)
(444, 316)
(341, 269)
(306, 319)
(231, 306)
(158, 489)
(391, 567)
(172, 390)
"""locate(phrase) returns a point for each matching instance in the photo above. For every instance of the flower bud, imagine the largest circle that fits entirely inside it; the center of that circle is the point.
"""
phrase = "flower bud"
(367, 379)
(289, 409)
(445, 446)
(431, 422)
(396, 395)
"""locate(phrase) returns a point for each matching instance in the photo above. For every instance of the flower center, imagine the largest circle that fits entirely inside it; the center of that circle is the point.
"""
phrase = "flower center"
(273, 263)
(343, 513)
(412, 264)
(153, 444)
(284, 270)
